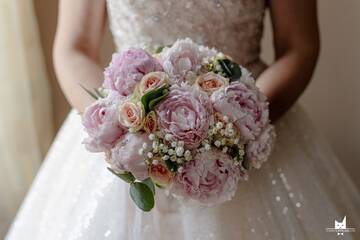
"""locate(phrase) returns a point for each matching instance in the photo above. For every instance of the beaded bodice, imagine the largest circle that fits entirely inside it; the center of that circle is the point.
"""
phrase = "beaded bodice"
(232, 26)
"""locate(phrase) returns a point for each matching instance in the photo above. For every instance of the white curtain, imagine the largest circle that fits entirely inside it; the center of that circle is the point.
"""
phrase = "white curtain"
(26, 126)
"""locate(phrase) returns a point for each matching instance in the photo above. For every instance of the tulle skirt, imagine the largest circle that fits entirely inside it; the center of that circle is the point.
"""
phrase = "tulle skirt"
(297, 194)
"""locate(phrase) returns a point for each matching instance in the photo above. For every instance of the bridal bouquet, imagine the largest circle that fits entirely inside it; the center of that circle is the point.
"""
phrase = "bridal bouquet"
(186, 118)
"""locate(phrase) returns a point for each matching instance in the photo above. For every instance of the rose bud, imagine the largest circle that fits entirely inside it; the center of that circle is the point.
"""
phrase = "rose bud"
(152, 81)
(160, 174)
(150, 124)
(131, 115)
(210, 82)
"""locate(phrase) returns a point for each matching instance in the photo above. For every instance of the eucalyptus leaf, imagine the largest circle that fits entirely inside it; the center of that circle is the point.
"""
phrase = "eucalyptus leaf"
(150, 184)
(231, 69)
(142, 196)
(224, 67)
(127, 176)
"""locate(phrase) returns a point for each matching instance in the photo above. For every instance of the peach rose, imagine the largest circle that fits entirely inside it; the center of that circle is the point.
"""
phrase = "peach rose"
(150, 123)
(160, 174)
(210, 82)
(131, 115)
(152, 81)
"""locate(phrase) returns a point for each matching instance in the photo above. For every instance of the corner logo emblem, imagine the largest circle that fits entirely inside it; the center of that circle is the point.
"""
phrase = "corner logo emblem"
(340, 227)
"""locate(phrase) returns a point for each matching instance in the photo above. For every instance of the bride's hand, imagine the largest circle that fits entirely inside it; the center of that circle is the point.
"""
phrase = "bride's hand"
(81, 25)
(296, 42)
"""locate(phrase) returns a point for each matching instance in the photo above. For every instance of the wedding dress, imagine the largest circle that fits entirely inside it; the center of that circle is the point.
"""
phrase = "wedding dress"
(297, 194)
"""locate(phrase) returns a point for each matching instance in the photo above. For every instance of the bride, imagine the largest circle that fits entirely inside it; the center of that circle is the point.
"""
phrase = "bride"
(297, 194)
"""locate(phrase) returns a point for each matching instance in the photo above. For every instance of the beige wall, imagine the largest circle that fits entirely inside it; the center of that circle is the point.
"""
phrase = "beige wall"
(46, 12)
(334, 97)
(331, 99)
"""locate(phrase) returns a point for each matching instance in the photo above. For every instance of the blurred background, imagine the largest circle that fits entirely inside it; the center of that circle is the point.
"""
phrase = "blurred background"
(33, 107)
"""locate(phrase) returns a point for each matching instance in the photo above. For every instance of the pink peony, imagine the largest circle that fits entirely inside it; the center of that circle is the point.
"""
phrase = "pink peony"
(258, 151)
(127, 68)
(182, 60)
(125, 155)
(185, 115)
(245, 105)
(211, 178)
(101, 123)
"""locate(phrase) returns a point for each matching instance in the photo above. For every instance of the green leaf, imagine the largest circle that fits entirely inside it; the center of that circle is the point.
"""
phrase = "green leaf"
(158, 49)
(172, 166)
(231, 69)
(142, 196)
(89, 92)
(127, 176)
(150, 184)
(246, 164)
(156, 101)
(233, 151)
(98, 93)
(153, 97)
(159, 186)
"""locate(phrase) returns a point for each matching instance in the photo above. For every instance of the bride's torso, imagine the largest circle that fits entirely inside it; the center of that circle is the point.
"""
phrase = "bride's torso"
(232, 26)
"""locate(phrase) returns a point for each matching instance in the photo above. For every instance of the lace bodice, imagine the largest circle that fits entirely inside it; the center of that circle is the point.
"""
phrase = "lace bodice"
(232, 26)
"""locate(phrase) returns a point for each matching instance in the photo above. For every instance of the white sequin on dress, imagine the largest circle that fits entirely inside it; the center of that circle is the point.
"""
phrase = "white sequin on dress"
(296, 195)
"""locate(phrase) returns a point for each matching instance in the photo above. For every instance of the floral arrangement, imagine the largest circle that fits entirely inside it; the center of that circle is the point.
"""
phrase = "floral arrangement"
(186, 118)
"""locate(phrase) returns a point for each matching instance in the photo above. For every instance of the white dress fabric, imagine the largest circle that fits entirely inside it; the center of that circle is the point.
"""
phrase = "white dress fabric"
(297, 194)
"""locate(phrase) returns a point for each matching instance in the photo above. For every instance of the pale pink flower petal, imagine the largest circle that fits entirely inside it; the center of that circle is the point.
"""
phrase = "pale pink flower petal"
(245, 105)
(211, 178)
(127, 68)
(125, 155)
(101, 123)
(258, 151)
(185, 114)
(181, 61)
